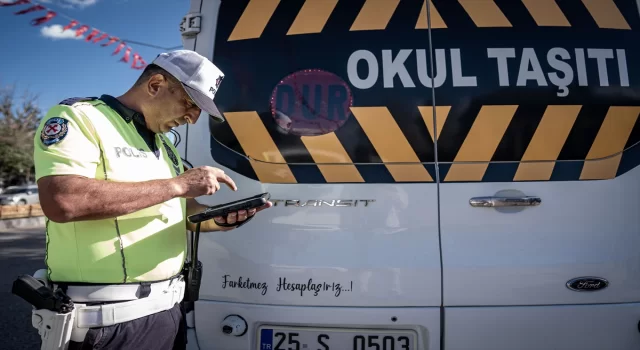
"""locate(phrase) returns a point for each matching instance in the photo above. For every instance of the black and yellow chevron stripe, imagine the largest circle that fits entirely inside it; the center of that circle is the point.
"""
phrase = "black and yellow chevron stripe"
(559, 142)
(487, 133)
(313, 15)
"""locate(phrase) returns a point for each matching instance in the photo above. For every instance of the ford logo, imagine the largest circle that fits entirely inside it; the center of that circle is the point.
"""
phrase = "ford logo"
(587, 284)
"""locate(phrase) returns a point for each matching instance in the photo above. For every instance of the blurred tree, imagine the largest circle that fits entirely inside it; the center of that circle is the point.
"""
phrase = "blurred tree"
(19, 119)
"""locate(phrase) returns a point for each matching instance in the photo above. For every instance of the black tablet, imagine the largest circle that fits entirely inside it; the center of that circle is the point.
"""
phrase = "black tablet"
(226, 208)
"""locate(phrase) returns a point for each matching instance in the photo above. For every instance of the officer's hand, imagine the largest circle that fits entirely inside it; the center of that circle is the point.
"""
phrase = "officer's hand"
(204, 180)
(239, 216)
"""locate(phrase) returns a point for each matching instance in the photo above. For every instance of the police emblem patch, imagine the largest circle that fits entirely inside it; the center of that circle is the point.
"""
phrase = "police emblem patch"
(54, 131)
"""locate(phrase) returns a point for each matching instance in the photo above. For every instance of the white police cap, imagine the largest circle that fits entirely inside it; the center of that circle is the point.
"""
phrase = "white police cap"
(200, 77)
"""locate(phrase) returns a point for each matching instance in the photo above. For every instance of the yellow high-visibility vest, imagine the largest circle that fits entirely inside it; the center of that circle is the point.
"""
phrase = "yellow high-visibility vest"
(89, 138)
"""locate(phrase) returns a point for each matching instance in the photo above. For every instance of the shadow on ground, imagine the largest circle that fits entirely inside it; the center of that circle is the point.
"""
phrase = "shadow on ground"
(21, 252)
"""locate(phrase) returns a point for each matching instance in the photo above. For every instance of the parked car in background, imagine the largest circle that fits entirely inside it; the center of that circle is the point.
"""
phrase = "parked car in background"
(20, 195)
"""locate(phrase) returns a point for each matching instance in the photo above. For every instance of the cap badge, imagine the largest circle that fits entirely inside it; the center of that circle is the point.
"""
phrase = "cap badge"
(219, 81)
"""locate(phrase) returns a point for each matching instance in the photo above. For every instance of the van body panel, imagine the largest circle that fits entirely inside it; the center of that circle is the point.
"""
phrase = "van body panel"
(375, 253)
(322, 232)
(381, 252)
(529, 110)
(527, 256)
(590, 327)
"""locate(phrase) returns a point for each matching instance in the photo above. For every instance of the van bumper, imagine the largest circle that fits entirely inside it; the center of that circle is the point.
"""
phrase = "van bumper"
(209, 317)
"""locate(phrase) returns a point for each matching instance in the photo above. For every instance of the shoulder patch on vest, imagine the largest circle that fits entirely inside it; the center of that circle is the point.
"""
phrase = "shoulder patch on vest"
(54, 130)
(73, 100)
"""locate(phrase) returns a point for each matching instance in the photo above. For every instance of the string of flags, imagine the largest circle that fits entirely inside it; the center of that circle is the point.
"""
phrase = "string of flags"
(95, 36)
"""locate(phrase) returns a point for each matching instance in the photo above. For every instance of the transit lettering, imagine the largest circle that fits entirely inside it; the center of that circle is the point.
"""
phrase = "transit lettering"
(323, 203)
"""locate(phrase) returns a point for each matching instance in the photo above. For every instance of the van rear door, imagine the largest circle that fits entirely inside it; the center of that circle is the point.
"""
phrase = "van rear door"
(317, 115)
(538, 107)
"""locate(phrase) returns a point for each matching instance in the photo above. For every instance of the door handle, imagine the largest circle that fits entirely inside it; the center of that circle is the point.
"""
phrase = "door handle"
(528, 201)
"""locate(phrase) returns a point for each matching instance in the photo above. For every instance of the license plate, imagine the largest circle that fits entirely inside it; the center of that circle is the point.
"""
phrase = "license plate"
(303, 338)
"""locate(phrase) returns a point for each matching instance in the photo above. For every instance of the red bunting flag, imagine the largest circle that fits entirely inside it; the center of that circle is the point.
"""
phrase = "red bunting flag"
(120, 46)
(127, 53)
(31, 9)
(38, 21)
(138, 62)
(94, 36)
(17, 2)
(112, 40)
(70, 25)
(83, 28)
(91, 35)
(101, 37)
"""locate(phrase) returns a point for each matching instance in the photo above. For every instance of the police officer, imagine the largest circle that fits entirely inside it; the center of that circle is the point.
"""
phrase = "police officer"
(116, 197)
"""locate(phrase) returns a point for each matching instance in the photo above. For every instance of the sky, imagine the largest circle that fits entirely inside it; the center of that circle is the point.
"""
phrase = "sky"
(56, 65)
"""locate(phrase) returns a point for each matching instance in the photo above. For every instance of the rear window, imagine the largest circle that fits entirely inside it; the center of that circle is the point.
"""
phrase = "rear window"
(341, 91)
(294, 97)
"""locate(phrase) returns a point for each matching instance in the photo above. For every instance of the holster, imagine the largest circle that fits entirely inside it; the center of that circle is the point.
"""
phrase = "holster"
(53, 313)
(54, 328)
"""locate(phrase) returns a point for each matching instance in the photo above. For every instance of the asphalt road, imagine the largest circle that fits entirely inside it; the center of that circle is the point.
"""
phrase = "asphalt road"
(21, 252)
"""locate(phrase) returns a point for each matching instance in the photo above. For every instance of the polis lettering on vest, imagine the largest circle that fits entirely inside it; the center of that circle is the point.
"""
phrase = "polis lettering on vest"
(130, 152)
